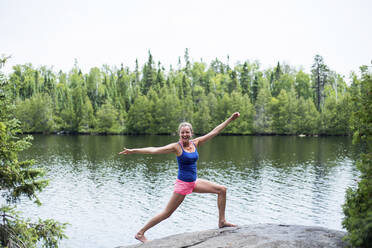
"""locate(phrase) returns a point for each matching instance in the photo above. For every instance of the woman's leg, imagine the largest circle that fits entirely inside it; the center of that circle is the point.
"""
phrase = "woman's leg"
(172, 205)
(204, 186)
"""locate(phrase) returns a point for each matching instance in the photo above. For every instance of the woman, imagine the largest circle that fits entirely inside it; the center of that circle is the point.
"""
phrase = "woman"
(187, 181)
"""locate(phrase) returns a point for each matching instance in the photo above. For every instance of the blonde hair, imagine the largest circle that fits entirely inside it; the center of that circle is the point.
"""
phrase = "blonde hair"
(184, 124)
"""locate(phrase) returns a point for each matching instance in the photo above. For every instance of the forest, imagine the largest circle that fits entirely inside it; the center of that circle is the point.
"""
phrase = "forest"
(149, 99)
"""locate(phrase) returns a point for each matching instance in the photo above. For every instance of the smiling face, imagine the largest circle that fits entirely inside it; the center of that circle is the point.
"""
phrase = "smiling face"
(185, 132)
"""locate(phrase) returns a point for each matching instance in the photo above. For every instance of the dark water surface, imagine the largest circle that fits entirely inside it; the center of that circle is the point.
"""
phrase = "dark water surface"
(106, 198)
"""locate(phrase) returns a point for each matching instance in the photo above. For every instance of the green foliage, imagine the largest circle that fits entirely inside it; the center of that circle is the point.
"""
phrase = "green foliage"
(139, 116)
(307, 117)
(20, 178)
(36, 114)
(284, 110)
(18, 232)
(170, 104)
(320, 74)
(75, 102)
(358, 204)
(263, 117)
(108, 119)
(302, 85)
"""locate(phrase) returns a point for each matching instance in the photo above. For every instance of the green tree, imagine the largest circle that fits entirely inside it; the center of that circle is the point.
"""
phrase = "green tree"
(168, 112)
(242, 104)
(17, 179)
(202, 118)
(275, 83)
(245, 79)
(213, 109)
(320, 72)
(148, 75)
(65, 116)
(139, 116)
(302, 85)
(108, 119)
(36, 114)
(233, 82)
(93, 85)
(87, 122)
(307, 117)
(198, 75)
(358, 204)
(263, 116)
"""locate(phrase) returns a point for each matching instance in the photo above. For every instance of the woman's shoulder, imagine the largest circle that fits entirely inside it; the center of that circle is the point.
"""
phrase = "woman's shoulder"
(195, 141)
(175, 145)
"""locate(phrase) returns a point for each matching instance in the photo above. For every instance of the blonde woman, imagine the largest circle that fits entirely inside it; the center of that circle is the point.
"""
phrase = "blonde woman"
(187, 182)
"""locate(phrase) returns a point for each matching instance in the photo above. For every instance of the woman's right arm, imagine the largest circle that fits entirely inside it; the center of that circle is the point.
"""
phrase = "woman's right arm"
(171, 148)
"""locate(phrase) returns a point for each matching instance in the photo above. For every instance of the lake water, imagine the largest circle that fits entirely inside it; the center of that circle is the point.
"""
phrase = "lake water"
(107, 198)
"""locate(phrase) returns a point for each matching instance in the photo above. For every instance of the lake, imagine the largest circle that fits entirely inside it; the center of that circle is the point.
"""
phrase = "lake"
(107, 198)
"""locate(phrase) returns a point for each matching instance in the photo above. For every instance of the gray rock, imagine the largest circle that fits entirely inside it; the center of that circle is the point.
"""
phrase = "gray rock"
(253, 236)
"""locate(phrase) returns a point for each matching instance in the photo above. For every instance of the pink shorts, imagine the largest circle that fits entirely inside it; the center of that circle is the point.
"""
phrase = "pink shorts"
(184, 188)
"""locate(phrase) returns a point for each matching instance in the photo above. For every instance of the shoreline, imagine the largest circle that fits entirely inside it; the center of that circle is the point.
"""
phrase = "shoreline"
(67, 133)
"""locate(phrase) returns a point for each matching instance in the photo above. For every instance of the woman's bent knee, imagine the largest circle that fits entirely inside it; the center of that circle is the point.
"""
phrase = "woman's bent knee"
(222, 190)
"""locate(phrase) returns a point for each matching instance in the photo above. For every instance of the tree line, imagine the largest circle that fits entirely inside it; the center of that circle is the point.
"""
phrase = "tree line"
(152, 100)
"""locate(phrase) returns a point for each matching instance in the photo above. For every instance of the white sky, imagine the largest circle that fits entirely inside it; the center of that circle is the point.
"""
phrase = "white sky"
(54, 33)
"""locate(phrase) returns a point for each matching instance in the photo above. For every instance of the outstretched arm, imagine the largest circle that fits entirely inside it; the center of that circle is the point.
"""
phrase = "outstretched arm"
(151, 150)
(216, 130)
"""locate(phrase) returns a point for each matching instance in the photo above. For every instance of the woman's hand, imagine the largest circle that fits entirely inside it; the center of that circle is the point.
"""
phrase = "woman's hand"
(235, 116)
(126, 151)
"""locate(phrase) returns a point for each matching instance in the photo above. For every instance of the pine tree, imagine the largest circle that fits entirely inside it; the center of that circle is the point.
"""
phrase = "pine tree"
(20, 178)
(245, 80)
(320, 73)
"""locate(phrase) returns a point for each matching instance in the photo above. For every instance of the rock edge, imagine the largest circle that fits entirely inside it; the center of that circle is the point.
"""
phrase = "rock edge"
(253, 236)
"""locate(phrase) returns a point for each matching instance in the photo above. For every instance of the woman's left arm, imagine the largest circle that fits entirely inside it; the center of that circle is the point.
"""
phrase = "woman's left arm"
(200, 140)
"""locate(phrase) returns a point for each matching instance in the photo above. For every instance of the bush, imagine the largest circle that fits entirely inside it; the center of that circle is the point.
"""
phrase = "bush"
(358, 205)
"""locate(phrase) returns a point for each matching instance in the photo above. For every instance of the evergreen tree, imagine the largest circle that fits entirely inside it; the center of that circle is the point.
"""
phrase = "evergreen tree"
(20, 178)
(160, 78)
(320, 73)
(275, 80)
(187, 62)
(93, 85)
(245, 79)
(256, 86)
(149, 75)
(233, 83)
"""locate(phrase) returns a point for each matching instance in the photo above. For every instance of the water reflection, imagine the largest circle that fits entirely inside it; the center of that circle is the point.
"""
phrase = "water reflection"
(106, 197)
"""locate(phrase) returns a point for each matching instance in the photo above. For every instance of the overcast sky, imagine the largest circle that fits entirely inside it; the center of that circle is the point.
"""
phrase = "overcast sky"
(55, 33)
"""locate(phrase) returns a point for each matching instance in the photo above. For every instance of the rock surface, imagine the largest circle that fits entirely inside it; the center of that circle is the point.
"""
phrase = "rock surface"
(253, 236)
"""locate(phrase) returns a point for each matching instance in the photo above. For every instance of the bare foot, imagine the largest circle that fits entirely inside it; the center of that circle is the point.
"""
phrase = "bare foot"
(225, 224)
(141, 237)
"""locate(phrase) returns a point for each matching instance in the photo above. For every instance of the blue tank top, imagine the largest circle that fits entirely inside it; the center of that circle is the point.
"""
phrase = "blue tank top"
(187, 165)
